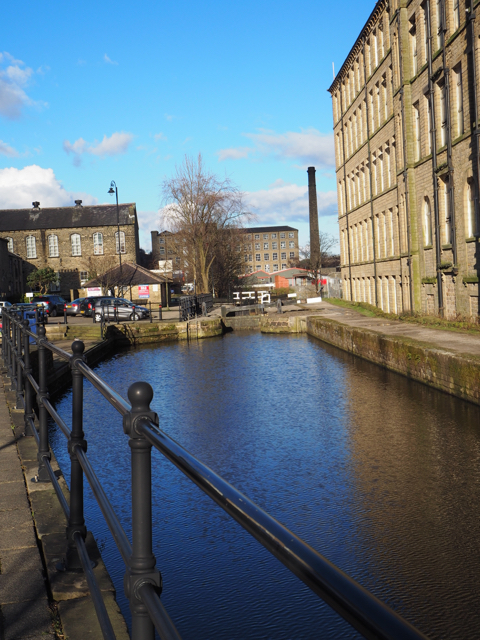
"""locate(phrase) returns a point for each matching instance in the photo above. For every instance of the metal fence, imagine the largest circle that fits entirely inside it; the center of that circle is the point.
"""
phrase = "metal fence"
(193, 306)
(143, 584)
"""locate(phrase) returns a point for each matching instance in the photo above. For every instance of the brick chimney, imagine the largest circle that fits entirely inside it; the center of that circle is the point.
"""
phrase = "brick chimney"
(313, 214)
(36, 205)
(78, 203)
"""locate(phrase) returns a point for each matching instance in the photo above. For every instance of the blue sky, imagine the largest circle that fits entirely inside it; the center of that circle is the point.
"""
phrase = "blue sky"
(121, 90)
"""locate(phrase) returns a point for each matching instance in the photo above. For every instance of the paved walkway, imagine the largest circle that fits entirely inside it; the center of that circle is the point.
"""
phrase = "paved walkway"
(24, 606)
(456, 341)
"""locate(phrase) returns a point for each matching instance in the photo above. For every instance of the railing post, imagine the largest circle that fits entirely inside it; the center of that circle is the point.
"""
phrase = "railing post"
(76, 522)
(141, 567)
(6, 340)
(44, 450)
(28, 416)
(13, 379)
(20, 403)
(160, 315)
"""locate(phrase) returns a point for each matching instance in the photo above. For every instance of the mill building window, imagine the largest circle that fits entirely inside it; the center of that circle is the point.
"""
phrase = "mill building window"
(76, 244)
(53, 246)
(427, 215)
(9, 244)
(83, 277)
(471, 222)
(98, 244)
(31, 246)
(120, 242)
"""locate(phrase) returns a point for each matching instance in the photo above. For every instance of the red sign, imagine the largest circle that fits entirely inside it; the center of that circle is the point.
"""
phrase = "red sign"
(143, 291)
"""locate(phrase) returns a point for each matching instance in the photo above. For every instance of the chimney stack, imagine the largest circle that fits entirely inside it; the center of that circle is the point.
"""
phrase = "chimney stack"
(78, 203)
(36, 205)
(313, 214)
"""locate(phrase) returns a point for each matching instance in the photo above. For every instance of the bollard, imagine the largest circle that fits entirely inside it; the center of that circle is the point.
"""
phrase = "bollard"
(133, 313)
(160, 312)
(115, 314)
(20, 402)
(204, 308)
(76, 521)
(279, 306)
(43, 450)
(28, 415)
(65, 313)
(141, 566)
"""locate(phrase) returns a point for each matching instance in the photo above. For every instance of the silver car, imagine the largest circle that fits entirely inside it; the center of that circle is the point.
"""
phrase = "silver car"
(118, 309)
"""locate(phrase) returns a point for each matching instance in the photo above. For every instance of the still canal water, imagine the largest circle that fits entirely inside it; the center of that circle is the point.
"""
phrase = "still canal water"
(378, 473)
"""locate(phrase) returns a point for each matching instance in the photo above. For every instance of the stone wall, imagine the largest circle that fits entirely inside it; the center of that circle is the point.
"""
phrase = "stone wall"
(458, 375)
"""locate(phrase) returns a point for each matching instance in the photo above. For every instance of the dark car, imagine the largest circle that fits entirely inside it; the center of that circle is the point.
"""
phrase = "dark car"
(88, 304)
(54, 305)
(118, 309)
(74, 307)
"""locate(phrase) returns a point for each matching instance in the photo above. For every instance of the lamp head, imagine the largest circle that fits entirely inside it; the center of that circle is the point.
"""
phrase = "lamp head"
(111, 190)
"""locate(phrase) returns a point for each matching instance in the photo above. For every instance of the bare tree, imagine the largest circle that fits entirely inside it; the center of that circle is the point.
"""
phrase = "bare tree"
(199, 208)
(327, 242)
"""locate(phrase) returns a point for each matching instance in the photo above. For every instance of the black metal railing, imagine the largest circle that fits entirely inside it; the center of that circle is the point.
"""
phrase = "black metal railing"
(193, 306)
(362, 610)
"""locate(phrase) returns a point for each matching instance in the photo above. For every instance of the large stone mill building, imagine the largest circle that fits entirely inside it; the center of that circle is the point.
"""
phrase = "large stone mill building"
(406, 128)
(76, 242)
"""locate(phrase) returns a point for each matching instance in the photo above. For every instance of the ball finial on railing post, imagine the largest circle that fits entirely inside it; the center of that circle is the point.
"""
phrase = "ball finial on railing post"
(78, 347)
(140, 395)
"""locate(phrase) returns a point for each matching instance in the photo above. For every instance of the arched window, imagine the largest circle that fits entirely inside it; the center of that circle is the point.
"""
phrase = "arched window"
(9, 244)
(76, 244)
(120, 242)
(53, 246)
(427, 222)
(31, 246)
(98, 244)
(470, 219)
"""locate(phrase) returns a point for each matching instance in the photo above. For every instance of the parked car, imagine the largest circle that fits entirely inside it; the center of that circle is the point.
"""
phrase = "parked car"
(88, 304)
(54, 305)
(113, 308)
(74, 307)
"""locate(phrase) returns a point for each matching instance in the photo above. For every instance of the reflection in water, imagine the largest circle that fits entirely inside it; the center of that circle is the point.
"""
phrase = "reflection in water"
(378, 473)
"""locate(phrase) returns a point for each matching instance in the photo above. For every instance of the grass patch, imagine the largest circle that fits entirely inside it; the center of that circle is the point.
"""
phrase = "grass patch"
(435, 322)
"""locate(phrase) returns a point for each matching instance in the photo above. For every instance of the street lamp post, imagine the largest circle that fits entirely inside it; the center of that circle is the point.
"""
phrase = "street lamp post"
(111, 191)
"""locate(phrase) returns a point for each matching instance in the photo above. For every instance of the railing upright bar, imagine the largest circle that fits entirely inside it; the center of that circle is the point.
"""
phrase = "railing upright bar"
(162, 621)
(27, 371)
(14, 354)
(44, 450)
(119, 535)
(141, 566)
(100, 609)
(20, 401)
(76, 521)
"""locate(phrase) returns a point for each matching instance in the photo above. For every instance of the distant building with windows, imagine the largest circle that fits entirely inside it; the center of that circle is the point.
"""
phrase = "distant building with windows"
(263, 248)
(269, 249)
(406, 128)
(74, 241)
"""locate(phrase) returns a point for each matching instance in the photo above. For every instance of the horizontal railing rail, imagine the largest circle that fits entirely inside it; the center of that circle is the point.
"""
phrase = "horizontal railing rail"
(368, 615)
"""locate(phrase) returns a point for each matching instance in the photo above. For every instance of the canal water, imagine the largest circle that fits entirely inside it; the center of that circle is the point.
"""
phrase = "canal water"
(378, 473)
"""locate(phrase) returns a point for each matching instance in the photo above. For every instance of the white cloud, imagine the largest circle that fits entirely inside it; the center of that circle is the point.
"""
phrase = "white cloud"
(160, 136)
(116, 144)
(283, 202)
(309, 147)
(234, 153)
(14, 78)
(7, 150)
(20, 187)
(109, 60)
(169, 117)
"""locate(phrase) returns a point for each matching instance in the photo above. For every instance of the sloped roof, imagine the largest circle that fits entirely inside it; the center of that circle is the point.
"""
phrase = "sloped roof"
(67, 217)
(128, 275)
(267, 229)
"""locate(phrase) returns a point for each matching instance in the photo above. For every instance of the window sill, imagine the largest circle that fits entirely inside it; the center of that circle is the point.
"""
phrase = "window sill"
(428, 246)
(472, 239)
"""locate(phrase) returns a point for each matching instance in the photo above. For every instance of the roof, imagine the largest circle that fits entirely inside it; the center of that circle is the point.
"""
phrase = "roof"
(128, 275)
(267, 229)
(67, 217)
(292, 273)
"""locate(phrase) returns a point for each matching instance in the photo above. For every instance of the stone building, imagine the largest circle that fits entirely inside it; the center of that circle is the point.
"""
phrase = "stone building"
(263, 248)
(76, 242)
(11, 274)
(405, 110)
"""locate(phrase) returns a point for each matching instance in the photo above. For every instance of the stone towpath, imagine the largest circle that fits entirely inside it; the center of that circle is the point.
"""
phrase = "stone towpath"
(457, 341)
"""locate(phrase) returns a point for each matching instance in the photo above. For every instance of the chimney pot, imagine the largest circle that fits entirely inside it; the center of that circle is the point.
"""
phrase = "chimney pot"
(78, 203)
(36, 205)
